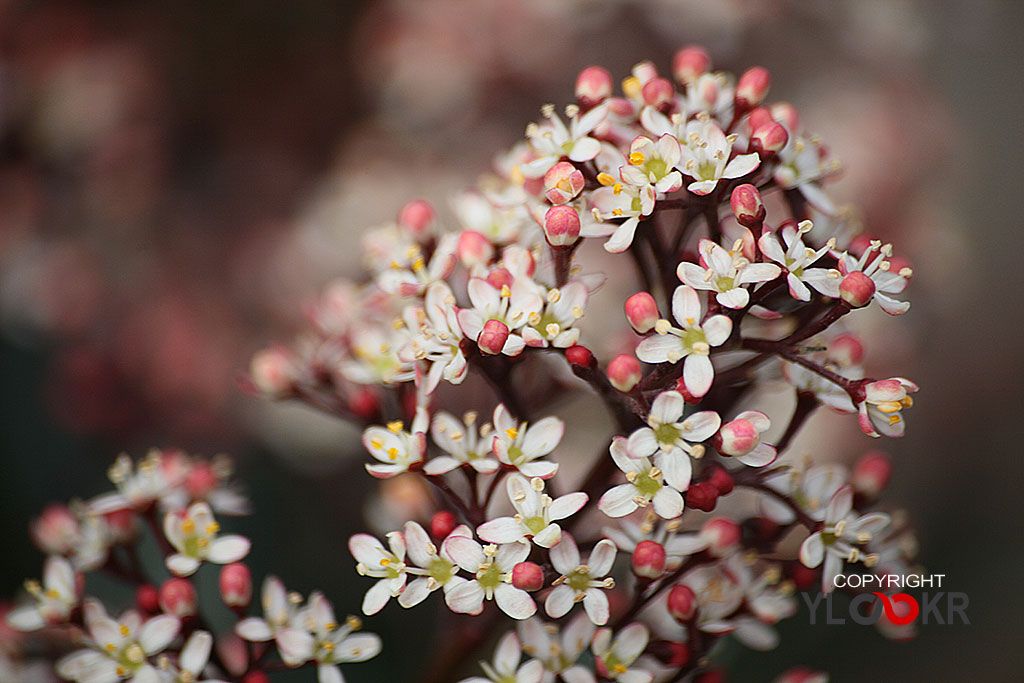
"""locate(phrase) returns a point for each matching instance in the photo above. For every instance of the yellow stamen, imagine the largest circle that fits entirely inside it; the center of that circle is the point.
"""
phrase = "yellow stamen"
(395, 426)
(393, 453)
(511, 432)
(636, 158)
(605, 179)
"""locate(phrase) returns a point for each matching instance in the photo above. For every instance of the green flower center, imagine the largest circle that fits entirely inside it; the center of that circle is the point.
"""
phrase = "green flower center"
(666, 433)
(694, 335)
(440, 570)
(535, 524)
(725, 283)
(656, 167)
(490, 578)
(647, 485)
(578, 581)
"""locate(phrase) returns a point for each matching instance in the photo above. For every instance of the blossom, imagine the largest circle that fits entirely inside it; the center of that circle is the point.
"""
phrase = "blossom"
(704, 156)
(877, 268)
(435, 337)
(741, 437)
(796, 258)
(510, 306)
(386, 564)
(118, 649)
(810, 488)
(491, 567)
(554, 324)
(677, 546)
(432, 569)
(536, 514)
(840, 538)
(195, 654)
(193, 533)
(54, 599)
(280, 622)
(463, 442)
(802, 165)
(652, 163)
(618, 200)
(559, 649)
(615, 657)
(419, 275)
(139, 485)
(579, 581)
(647, 485)
(504, 667)
(395, 448)
(693, 341)
(521, 445)
(725, 272)
(883, 402)
(668, 431)
(327, 643)
(553, 140)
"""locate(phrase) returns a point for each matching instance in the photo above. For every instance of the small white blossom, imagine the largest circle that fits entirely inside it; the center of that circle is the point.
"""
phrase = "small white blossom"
(725, 272)
(536, 514)
(522, 445)
(193, 533)
(884, 400)
(616, 658)
(796, 258)
(559, 649)
(432, 569)
(505, 668)
(463, 443)
(491, 567)
(396, 449)
(647, 485)
(54, 599)
(553, 140)
(581, 582)
(705, 153)
(386, 564)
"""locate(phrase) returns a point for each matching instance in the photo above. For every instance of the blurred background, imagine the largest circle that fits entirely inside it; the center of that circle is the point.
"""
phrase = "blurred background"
(179, 180)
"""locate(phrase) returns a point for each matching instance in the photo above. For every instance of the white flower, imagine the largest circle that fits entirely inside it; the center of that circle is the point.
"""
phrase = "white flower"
(839, 538)
(741, 438)
(693, 341)
(395, 448)
(491, 567)
(725, 272)
(536, 514)
(648, 485)
(435, 337)
(193, 659)
(652, 163)
(193, 533)
(721, 590)
(512, 306)
(883, 402)
(280, 622)
(327, 643)
(504, 668)
(54, 599)
(140, 485)
(677, 546)
(553, 140)
(877, 268)
(617, 200)
(386, 564)
(433, 569)
(463, 442)
(801, 165)
(522, 445)
(615, 658)
(579, 581)
(705, 153)
(810, 489)
(419, 275)
(559, 650)
(554, 324)
(669, 432)
(796, 258)
(118, 649)
(497, 223)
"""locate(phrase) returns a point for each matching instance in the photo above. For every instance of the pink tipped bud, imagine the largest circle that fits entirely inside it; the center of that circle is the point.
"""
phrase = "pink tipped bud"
(271, 371)
(752, 87)
(624, 372)
(671, 654)
(658, 93)
(593, 86)
(846, 350)
(759, 116)
(871, 474)
(649, 559)
(121, 525)
(579, 355)
(474, 249)
(721, 480)
(416, 216)
(722, 534)
(682, 603)
(702, 496)
(363, 403)
(255, 677)
(500, 277)
(178, 597)
(147, 599)
(769, 139)
(235, 585)
(493, 337)
(642, 312)
(747, 205)
(442, 524)
(786, 114)
(689, 63)
(562, 182)
(645, 71)
(201, 480)
(737, 437)
(56, 530)
(857, 289)
(689, 398)
(561, 226)
(528, 576)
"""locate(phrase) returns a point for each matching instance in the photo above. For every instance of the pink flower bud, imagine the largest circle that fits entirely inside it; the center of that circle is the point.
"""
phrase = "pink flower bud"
(561, 225)
(255, 677)
(769, 139)
(563, 182)
(178, 597)
(649, 559)
(235, 585)
(416, 216)
(689, 398)
(737, 437)
(672, 654)
(846, 350)
(758, 117)
(857, 289)
(56, 530)
(710, 676)
(689, 63)
(752, 87)
(645, 71)
(702, 496)
(147, 599)
(786, 114)
(121, 524)
(493, 337)
(442, 524)
(871, 474)
(474, 249)
(579, 355)
(528, 576)
(271, 371)
(721, 480)
(722, 534)
(658, 93)
(500, 277)
(804, 577)
(642, 312)
(747, 205)
(593, 86)
(201, 480)
(681, 603)
(363, 403)
(624, 372)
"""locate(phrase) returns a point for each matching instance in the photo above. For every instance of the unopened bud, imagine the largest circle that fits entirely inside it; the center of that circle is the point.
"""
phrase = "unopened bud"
(803, 577)
(474, 249)
(579, 355)
(177, 597)
(624, 372)
(363, 403)
(55, 531)
(710, 676)
(736, 437)
(689, 63)
(721, 480)
(271, 371)
(846, 350)
(649, 559)
(702, 496)
(722, 534)
(442, 524)
(416, 216)
(802, 674)
(759, 117)
(563, 182)
(642, 312)
(500, 277)
(147, 599)
(235, 585)
(747, 205)
(857, 289)
(769, 139)
(561, 226)
(201, 480)
(658, 93)
(493, 337)
(593, 86)
(786, 114)
(752, 87)
(528, 576)
(672, 654)
(255, 677)
(871, 474)
(689, 398)
(682, 603)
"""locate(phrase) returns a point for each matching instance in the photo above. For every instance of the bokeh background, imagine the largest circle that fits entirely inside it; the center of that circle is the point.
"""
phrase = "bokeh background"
(178, 180)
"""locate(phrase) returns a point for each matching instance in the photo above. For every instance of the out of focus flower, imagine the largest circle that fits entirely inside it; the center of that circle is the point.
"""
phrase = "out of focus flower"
(54, 599)
(505, 668)
(193, 533)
